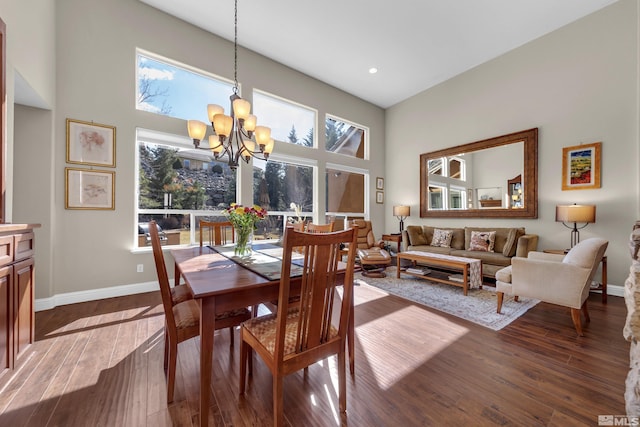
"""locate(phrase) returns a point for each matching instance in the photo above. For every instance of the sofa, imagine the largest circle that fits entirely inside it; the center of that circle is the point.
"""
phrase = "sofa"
(506, 243)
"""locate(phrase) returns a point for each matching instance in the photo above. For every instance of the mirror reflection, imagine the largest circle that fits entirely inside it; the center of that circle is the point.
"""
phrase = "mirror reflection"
(495, 177)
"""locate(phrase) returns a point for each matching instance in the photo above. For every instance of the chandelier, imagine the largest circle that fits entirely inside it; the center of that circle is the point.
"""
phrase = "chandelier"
(237, 135)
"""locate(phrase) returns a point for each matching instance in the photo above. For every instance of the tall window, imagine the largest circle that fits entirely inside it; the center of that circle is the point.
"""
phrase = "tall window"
(279, 184)
(173, 185)
(345, 191)
(345, 138)
(163, 87)
(289, 121)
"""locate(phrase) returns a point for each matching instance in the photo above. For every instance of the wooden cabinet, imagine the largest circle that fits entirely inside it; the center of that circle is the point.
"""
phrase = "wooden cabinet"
(16, 294)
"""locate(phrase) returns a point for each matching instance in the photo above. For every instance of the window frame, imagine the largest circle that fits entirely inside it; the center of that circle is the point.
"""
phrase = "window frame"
(366, 192)
(350, 123)
(292, 103)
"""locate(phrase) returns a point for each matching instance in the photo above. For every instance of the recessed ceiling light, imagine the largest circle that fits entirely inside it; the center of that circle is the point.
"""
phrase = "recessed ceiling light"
(373, 70)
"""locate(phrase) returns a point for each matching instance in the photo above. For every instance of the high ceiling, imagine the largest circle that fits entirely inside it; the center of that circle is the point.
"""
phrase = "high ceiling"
(414, 44)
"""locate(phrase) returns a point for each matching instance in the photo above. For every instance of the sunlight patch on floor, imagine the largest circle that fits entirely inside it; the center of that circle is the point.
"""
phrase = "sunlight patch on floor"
(380, 353)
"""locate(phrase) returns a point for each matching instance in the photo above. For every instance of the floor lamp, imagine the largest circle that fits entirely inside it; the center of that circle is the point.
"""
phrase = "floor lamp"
(575, 214)
(401, 212)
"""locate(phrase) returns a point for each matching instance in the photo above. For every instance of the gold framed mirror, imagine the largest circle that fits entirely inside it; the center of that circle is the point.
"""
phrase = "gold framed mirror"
(476, 179)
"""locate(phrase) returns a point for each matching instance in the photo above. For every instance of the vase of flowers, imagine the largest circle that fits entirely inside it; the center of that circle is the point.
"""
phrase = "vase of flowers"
(244, 221)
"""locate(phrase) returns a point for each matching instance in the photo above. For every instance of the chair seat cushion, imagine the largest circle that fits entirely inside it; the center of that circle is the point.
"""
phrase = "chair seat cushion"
(180, 293)
(187, 313)
(504, 275)
(263, 328)
(374, 256)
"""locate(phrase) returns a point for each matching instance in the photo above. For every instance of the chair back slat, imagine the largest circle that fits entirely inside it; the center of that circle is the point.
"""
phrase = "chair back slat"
(161, 269)
(216, 233)
(319, 283)
(320, 228)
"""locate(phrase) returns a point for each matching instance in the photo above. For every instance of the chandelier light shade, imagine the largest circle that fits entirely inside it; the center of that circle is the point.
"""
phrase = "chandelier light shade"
(583, 214)
(401, 212)
(234, 134)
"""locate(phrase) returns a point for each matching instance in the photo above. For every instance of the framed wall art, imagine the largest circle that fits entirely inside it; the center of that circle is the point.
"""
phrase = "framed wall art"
(581, 166)
(379, 183)
(89, 189)
(379, 197)
(91, 143)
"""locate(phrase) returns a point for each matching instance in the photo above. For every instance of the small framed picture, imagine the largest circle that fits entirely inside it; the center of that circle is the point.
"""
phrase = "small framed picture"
(379, 196)
(379, 183)
(581, 166)
(89, 189)
(91, 143)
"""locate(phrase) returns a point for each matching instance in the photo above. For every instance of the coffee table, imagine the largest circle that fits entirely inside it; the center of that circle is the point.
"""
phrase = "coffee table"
(470, 269)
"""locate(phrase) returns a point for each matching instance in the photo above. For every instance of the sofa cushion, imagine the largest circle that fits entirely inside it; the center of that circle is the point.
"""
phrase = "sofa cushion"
(494, 258)
(457, 242)
(511, 244)
(482, 241)
(442, 238)
(432, 249)
(502, 235)
(416, 235)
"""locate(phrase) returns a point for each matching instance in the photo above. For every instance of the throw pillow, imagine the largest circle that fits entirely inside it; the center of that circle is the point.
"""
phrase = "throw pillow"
(482, 241)
(510, 243)
(416, 236)
(442, 238)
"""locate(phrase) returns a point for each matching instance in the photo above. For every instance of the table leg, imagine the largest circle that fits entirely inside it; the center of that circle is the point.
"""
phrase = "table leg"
(604, 280)
(207, 326)
(351, 336)
(176, 275)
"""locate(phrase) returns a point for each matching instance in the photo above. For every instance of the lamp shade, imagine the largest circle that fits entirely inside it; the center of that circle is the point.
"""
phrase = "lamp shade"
(402, 210)
(196, 129)
(576, 213)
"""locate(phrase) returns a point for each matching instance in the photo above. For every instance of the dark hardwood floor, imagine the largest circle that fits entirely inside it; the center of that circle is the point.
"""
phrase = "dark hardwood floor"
(100, 364)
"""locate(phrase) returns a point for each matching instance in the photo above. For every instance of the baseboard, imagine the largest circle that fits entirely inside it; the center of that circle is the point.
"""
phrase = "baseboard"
(94, 294)
(139, 288)
(615, 290)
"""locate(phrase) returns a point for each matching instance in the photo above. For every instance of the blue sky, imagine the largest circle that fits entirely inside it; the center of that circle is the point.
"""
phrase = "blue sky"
(188, 93)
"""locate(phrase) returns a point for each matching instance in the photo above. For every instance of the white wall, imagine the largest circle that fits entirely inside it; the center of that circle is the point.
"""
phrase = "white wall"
(578, 84)
(95, 44)
(31, 53)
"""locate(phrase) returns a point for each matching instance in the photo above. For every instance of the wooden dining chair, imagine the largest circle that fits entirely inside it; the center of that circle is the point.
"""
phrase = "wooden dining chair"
(302, 333)
(182, 319)
(216, 233)
(320, 228)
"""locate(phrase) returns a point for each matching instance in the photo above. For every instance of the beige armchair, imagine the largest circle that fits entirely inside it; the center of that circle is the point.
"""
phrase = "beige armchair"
(370, 253)
(557, 279)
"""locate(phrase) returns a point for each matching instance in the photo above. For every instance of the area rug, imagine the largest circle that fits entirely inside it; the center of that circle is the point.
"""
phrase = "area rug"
(479, 306)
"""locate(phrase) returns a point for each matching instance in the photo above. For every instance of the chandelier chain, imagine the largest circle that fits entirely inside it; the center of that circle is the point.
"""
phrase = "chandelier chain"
(235, 49)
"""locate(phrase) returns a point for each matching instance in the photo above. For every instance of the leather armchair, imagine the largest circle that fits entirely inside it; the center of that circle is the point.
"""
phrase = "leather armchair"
(370, 253)
(557, 279)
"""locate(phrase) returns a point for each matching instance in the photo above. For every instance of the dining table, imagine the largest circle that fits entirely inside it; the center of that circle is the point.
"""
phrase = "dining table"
(221, 283)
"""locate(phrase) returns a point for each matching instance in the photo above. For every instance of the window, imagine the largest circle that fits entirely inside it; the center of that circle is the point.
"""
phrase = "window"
(178, 184)
(289, 122)
(172, 193)
(435, 167)
(345, 191)
(436, 197)
(457, 197)
(456, 168)
(278, 184)
(345, 138)
(166, 88)
(447, 178)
